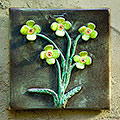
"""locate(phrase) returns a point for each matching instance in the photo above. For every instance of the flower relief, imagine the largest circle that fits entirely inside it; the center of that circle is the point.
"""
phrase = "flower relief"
(49, 54)
(60, 25)
(88, 31)
(82, 59)
(30, 29)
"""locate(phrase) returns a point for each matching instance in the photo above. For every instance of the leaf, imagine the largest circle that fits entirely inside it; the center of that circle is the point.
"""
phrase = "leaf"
(45, 91)
(69, 94)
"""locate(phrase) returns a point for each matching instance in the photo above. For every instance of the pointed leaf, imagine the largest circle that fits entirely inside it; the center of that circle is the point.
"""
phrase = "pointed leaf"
(45, 91)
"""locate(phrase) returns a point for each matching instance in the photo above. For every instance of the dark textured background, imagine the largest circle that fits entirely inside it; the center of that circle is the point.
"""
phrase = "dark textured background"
(113, 114)
(28, 70)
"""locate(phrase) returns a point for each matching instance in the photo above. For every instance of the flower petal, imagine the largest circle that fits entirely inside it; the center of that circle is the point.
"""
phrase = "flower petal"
(94, 34)
(60, 33)
(56, 54)
(43, 55)
(83, 53)
(67, 25)
(31, 37)
(37, 28)
(50, 61)
(80, 65)
(48, 47)
(30, 23)
(82, 29)
(24, 30)
(85, 37)
(60, 19)
(91, 25)
(54, 26)
(76, 58)
(88, 60)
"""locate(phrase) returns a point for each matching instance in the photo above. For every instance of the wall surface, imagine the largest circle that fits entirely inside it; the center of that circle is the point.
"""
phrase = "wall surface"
(113, 114)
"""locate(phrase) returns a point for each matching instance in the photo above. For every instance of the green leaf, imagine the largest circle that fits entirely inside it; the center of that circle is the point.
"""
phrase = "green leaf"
(85, 37)
(48, 47)
(24, 30)
(71, 93)
(60, 19)
(67, 25)
(80, 65)
(76, 58)
(91, 25)
(56, 54)
(54, 26)
(60, 33)
(83, 53)
(82, 29)
(88, 60)
(50, 61)
(31, 37)
(43, 55)
(94, 34)
(45, 91)
(37, 28)
(30, 23)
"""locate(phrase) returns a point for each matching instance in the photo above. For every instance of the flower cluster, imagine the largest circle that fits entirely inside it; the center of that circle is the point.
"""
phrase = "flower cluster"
(49, 54)
(82, 59)
(60, 25)
(88, 31)
(30, 29)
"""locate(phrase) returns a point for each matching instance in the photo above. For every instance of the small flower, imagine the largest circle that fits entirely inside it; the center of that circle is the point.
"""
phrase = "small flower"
(82, 59)
(49, 54)
(60, 25)
(30, 29)
(88, 32)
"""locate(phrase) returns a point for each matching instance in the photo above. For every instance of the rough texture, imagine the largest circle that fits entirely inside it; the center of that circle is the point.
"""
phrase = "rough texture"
(114, 114)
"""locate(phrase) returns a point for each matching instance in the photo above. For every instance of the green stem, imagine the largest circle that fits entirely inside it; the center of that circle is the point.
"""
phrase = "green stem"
(68, 76)
(59, 80)
(74, 48)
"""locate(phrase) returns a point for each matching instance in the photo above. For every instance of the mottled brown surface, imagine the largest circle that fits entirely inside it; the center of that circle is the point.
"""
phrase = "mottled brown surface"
(27, 70)
(114, 114)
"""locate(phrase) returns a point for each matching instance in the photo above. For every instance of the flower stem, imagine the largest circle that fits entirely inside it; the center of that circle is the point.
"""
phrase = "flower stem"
(68, 76)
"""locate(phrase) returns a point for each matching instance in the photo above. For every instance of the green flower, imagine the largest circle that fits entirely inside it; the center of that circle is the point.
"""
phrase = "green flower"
(60, 25)
(88, 32)
(30, 29)
(49, 54)
(82, 59)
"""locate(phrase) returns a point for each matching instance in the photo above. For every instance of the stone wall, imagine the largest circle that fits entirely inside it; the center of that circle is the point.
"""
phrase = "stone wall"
(113, 114)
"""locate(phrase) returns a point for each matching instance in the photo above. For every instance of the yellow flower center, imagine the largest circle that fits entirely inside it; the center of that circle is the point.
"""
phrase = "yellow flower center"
(82, 59)
(60, 27)
(31, 31)
(88, 31)
(49, 54)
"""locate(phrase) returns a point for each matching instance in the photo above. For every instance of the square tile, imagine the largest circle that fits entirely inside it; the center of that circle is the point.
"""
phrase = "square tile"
(27, 70)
